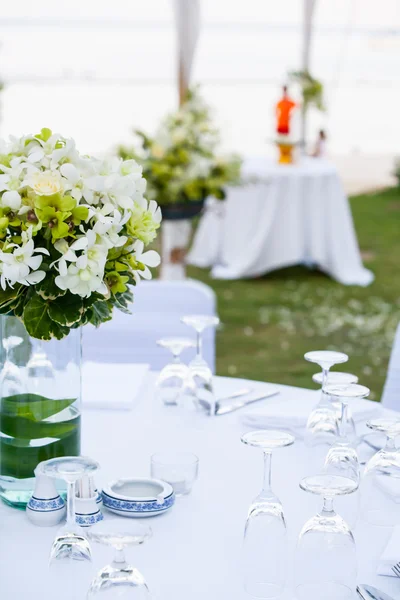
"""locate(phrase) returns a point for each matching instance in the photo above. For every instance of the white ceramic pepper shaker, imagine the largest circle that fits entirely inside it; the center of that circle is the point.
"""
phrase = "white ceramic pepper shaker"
(45, 507)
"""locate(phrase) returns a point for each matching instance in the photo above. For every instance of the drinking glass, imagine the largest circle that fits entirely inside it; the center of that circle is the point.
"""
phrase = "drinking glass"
(119, 579)
(179, 469)
(335, 377)
(380, 486)
(321, 428)
(326, 359)
(326, 562)
(342, 458)
(200, 370)
(70, 543)
(265, 540)
(174, 379)
(338, 378)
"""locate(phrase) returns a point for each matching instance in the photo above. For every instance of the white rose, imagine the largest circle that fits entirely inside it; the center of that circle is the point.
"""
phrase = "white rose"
(45, 183)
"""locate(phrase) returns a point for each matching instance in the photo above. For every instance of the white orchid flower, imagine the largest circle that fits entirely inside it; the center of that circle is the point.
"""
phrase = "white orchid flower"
(68, 154)
(41, 151)
(11, 180)
(130, 168)
(151, 258)
(68, 253)
(22, 264)
(121, 191)
(108, 223)
(82, 181)
(81, 281)
(94, 256)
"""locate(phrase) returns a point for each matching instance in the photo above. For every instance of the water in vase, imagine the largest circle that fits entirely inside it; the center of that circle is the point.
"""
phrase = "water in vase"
(40, 405)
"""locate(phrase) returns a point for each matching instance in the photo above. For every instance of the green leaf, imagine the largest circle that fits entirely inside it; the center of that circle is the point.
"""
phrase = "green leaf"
(48, 289)
(33, 406)
(101, 312)
(9, 294)
(38, 322)
(122, 301)
(18, 458)
(66, 310)
(26, 429)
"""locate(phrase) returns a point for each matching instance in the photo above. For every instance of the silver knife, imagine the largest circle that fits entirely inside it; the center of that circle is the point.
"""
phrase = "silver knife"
(368, 592)
(223, 408)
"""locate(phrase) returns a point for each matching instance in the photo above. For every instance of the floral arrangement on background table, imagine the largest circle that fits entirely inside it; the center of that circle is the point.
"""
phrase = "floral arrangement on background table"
(73, 230)
(183, 166)
(181, 162)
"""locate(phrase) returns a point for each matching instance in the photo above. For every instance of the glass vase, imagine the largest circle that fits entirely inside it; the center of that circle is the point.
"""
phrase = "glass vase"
(40, 390)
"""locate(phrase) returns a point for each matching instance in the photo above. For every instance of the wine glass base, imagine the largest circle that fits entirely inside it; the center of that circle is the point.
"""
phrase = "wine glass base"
(126, 582)
(70, 547)
(325, 591)
(264, 590)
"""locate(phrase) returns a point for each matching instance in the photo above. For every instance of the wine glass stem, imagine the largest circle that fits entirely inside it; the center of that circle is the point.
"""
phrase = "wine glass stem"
(267, 472)
(71, 503)
(119, 557)
(343, 420)
(325, 373)
(199, 344)
(391, 442)
(327, 507)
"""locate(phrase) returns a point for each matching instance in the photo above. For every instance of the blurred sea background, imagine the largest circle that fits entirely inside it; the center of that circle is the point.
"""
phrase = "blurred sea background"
(106, 67)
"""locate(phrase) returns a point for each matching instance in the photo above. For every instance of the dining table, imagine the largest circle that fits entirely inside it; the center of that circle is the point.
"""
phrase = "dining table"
(280, 216)
(196, 548)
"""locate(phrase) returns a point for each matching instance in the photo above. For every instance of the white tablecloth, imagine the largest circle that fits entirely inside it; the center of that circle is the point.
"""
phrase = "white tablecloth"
(292, 214)
(195, 550)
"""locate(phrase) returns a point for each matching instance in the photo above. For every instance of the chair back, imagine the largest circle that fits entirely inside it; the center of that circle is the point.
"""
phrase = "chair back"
(156, 312)
(391, 390)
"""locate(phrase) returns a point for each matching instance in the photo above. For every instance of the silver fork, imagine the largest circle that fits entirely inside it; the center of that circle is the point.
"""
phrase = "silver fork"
(396, 569)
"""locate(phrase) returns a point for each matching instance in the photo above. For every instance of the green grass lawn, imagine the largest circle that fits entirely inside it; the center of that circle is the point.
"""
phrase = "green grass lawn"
(269, 323)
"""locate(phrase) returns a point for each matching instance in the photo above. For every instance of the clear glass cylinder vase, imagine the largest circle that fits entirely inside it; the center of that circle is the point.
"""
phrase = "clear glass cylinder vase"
(40, 390)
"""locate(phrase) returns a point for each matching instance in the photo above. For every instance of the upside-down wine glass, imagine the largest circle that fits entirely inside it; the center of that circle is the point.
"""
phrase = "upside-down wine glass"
(119, 579)
(339, 378)
(174, 378)
(200, 370)
(265, 540)
(321, 429)
(342, 458)
(380, 486)
(326, 562)
(70, 543)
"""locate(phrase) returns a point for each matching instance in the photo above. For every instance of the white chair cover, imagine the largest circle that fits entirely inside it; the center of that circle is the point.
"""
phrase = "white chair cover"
(156, 312)
(391, 390)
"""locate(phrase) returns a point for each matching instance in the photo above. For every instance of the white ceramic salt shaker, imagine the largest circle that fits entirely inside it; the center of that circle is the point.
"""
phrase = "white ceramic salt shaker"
(45, 507)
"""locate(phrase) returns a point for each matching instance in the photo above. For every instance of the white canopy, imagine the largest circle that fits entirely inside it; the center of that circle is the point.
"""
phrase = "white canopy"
(187, 21)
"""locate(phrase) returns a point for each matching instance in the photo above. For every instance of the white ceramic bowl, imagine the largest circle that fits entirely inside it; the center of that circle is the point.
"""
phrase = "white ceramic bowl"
(138, 497)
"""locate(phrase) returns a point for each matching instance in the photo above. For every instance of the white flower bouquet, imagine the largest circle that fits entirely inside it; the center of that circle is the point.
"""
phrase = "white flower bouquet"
(182, 163)
(73, 230)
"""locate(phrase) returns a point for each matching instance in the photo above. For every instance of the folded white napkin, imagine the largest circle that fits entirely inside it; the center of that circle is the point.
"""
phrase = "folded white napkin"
(290, 411)
(108, 385)
(391, 554)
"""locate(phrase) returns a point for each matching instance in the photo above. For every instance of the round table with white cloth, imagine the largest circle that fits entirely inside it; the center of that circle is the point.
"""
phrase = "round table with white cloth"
(196, 546)
(283, 215)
